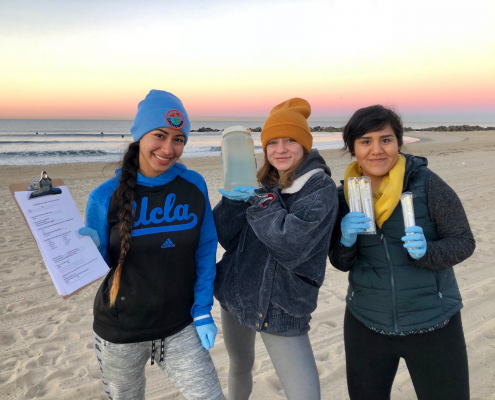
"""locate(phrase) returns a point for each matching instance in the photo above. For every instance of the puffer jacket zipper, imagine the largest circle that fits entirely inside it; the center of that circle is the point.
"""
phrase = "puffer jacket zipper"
(392, 284)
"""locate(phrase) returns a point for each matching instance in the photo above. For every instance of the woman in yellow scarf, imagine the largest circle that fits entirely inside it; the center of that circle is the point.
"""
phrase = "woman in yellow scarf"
(403, 300)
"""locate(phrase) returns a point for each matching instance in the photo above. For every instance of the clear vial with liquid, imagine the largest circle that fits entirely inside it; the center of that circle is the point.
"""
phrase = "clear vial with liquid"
(238, 159)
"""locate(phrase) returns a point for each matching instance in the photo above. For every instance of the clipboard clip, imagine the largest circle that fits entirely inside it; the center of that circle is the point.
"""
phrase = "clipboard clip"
(45, 187)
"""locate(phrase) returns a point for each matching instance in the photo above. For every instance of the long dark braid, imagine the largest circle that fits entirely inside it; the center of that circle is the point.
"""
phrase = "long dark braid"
(124, 196)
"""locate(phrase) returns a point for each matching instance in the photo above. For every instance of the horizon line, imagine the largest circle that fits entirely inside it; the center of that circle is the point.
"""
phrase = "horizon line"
(196, 118)
(412, 118)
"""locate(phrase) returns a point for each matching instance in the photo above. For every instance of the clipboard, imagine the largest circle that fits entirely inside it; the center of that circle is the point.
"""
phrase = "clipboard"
(22, 187)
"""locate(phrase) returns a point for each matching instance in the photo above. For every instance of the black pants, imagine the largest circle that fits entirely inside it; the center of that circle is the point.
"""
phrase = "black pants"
(437, 361)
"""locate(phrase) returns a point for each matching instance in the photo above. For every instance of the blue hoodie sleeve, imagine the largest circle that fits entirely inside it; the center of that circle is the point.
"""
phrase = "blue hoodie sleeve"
(97, 211)
(205, 259)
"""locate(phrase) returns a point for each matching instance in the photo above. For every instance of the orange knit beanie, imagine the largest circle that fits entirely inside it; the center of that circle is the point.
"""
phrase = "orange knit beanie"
(289, 120)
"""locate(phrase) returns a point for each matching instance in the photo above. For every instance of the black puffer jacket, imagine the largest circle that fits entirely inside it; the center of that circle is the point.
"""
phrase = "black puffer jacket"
(390, 291)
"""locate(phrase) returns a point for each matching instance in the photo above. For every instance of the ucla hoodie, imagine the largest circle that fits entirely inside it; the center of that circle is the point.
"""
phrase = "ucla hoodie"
(167, 276)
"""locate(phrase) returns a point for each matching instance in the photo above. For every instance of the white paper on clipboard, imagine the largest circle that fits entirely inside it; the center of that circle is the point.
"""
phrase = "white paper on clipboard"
(72, 260)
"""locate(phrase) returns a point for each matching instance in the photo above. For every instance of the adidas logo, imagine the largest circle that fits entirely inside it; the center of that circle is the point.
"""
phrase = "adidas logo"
(168, 243)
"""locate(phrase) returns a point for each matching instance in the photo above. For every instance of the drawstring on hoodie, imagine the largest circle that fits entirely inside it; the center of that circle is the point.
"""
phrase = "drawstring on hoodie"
(162, 351)
(269, 198)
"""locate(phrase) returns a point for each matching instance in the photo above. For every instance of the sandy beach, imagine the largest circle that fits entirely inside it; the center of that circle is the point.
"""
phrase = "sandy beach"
(46, 346)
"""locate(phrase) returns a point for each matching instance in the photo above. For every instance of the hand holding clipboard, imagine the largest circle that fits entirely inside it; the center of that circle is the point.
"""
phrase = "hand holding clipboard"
(72, 260)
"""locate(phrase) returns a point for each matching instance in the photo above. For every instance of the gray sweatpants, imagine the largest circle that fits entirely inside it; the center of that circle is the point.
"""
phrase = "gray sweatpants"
(292, 357)
(186, 363)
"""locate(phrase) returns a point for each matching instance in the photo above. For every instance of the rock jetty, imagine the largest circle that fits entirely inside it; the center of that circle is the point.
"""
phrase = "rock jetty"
(442, 128)
(452, 128)
(203, 129)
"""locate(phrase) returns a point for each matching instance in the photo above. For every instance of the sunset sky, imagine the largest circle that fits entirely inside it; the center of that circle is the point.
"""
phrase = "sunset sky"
(96, 59)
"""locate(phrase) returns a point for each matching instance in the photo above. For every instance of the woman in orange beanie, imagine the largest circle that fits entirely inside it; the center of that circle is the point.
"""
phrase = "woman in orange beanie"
(276, 239)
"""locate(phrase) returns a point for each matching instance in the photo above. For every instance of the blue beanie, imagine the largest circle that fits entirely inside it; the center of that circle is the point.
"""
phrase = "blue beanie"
(160, 110)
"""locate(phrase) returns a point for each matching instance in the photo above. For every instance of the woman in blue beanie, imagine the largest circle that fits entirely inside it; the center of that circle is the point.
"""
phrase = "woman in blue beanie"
(154, 226)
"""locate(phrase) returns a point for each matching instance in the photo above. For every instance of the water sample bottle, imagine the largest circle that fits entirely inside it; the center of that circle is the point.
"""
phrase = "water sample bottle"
(406, 199)
(361, 200)
(239, 162)
(367, 203)
(354, 195)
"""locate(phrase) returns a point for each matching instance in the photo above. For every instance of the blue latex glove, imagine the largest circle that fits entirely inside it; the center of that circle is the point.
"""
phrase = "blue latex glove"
(86, 231)
(352, 224)
(241, 193)
(416, 245)
(207, 334)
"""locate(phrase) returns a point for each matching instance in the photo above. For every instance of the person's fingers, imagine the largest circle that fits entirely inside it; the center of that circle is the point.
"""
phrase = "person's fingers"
(414, 229)
(416, 253)
(204, 341)
(414, 245)
(358, 226)
(243, 189)
(211, 339)
(413, 237)
(85, 231)
(358, 221)
(355, 214)
(231, 195)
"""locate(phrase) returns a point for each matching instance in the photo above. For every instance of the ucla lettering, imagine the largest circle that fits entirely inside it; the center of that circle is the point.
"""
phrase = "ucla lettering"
(169, 213)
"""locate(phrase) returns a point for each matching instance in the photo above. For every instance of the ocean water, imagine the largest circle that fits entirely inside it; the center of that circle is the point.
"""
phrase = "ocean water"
(41, 142)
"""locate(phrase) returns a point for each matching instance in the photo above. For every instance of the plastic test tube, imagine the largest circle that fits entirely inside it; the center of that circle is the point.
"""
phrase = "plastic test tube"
(367, 203)
(353, 194)
(406, 199)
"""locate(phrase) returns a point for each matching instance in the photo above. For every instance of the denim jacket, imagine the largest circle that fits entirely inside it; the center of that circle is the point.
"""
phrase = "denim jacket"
(275, 257)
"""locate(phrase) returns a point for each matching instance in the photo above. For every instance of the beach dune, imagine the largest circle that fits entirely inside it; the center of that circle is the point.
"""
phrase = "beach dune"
(46, 343)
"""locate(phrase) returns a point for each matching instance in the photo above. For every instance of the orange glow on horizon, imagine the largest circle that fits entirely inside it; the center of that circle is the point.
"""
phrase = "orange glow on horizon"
(233, 60)
(423, 85)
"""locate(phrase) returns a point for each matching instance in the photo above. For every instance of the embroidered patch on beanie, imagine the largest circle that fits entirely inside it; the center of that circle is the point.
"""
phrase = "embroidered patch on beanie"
(174, 119)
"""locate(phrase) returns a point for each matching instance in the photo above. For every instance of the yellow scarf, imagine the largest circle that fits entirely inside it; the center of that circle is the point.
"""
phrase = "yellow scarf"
(388, 194)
